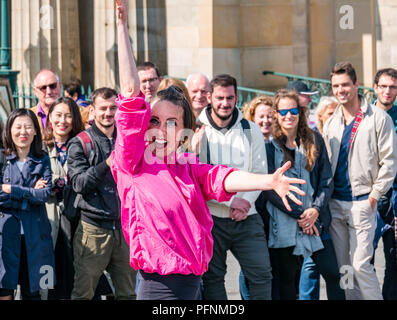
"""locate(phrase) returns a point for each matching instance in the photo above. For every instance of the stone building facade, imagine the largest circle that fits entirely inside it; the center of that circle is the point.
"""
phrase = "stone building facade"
(77, 38)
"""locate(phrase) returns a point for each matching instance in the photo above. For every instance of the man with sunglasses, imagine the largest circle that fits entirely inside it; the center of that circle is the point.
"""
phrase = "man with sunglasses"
(362, 148)
(47, 88)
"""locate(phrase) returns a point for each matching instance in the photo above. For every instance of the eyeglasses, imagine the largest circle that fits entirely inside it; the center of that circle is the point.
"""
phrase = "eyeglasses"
(384, 87)
(52, 86)
(293, 111)
(151, 80)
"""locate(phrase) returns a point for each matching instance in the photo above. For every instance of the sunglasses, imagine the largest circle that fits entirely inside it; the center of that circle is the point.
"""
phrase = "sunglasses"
(293, 111)
(52, 86)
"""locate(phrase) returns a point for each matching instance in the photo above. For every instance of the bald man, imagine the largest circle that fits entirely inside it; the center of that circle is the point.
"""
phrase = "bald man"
(47, 88)
(198, 86)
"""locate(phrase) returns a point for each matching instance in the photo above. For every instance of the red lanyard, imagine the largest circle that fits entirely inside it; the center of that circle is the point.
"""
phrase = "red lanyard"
(357, 121)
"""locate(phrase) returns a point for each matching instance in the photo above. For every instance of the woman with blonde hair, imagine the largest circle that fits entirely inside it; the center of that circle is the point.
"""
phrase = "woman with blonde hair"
(260, 111)
(324, 110)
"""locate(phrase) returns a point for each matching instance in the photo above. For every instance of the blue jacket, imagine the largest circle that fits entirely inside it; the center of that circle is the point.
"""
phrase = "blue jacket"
(27, 206)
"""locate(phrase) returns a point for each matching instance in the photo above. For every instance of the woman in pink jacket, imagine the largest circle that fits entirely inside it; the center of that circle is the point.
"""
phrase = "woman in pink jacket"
(164, 214)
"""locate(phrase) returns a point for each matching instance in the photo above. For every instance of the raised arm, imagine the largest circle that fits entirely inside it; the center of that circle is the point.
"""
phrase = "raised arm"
(129, 80)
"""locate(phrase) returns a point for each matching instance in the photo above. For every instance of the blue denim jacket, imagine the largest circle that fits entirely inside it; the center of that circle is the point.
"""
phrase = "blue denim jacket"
(284, 230)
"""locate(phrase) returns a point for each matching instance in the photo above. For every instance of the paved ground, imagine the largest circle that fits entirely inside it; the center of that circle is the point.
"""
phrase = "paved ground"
(234, 270)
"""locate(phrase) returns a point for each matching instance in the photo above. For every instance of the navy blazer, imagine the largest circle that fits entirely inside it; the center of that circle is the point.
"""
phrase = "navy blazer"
(26, 205)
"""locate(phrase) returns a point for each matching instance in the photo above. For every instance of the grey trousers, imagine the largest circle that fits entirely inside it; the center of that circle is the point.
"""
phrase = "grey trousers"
(247, 242)
(352, 230)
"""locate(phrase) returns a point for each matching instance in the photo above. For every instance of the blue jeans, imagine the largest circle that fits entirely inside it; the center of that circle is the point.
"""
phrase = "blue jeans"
(321, 262)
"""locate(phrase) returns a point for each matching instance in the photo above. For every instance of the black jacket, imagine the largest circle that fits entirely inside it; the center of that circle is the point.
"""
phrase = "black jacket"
(92, 178)
(320, 179)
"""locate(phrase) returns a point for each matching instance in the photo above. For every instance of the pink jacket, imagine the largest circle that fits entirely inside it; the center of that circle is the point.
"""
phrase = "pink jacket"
(164, 215)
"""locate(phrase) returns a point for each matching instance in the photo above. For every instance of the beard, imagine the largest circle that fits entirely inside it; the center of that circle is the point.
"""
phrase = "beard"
(387, 103)
(223, 118)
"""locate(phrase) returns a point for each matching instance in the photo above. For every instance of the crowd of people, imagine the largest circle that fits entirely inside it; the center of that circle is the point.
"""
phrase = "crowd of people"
(142, 193)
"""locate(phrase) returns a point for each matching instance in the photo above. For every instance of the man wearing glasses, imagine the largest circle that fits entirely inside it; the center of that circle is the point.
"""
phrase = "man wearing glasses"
(149, 78)
(47, 88)
(385, 85)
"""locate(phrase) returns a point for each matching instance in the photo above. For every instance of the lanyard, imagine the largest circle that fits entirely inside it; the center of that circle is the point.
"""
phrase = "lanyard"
(357, 121)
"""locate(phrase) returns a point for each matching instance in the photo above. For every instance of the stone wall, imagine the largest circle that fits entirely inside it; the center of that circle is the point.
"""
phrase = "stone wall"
(45, 34)
(240, 37)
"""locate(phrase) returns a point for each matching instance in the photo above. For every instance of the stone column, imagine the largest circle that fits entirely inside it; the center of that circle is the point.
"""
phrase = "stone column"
(300, 37)
(190, 35)
(105, 54)
(386, 33)
(45, 34)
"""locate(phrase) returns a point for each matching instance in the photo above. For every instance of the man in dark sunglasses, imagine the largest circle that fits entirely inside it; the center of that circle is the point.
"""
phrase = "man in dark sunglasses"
(47, 88)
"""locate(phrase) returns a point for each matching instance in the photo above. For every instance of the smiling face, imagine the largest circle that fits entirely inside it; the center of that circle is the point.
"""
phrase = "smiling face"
(386, 89)
(223, 101)
(263, 117)
(288, 122)
(165, 128)
(199, 91)
(47, 88)
(61, 120)
(22, 132)
(104, 111)
(343, 88)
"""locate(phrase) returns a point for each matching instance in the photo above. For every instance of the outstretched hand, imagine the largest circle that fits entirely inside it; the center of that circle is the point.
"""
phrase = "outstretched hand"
(122, 10)
(283, 186)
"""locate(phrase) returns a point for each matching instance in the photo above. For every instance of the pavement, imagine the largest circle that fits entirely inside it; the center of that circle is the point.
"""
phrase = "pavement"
(233, 271)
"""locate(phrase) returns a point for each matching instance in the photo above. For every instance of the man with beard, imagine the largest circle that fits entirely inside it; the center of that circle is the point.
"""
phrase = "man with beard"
(98, 243)
(385, 85)
(228, 139)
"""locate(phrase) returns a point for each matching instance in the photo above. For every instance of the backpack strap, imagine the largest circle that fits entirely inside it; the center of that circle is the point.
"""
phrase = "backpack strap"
(246, 129)
(247, 132)
(271, 163)
(87, 143)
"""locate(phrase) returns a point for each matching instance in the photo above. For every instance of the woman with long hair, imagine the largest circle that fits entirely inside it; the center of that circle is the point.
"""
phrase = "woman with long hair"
(296, 233)
(164, 215)
(26, 246)
(63, 123)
